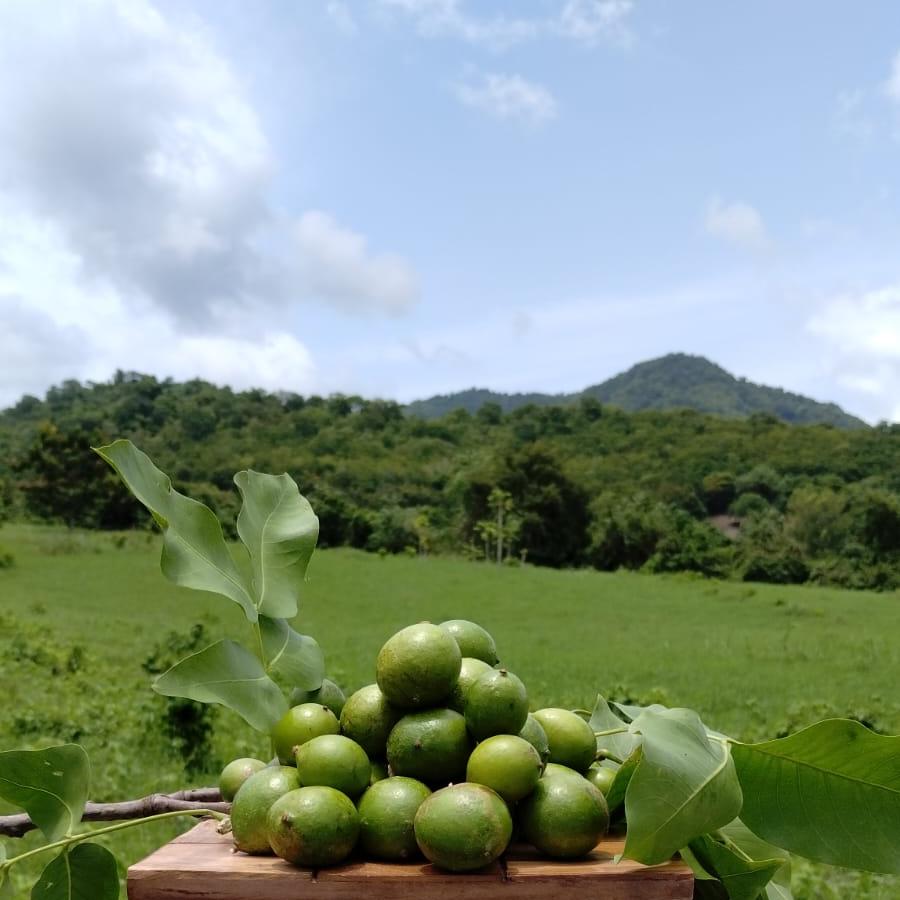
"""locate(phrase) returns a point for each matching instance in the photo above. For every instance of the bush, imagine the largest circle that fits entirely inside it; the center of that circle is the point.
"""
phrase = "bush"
(748, 505)
(7, 560)
(775, 568)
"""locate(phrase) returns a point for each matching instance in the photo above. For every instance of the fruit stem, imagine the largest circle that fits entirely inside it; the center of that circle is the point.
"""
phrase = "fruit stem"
(99, 832)
(621, 730)
(606, 754)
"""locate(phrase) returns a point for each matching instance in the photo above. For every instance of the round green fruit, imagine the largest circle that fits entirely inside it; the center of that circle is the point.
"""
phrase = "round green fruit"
(299, 725)
(386, 814)
(463, 827)
(571, 739)
(313, 826)
(252, 803)
(235, 774)
(601, 777)
(418, 666)
(329, 694)
(533, 732)
(507, 764)
(332, 760)
(564, 817)
(469, 672)
(555, 770)
(496, 704)
(368, 718)
(432, 746)
(472, 639)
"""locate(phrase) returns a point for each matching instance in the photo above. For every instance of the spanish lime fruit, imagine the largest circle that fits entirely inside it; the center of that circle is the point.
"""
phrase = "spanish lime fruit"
(564, 817)
(378, 771)
(299, 725)
(313, 826)
(496, 704)
(571, 739)
(432, 745)
(463, 827)
(252, 803)
(507, 764)
(235, 774)
(329, 694)
(470, 671)
(368, 718)
(386, 814)
(601, 777)
(533, 732)
(333, 760)
(555, 770)
(418, 666)
(472, 639)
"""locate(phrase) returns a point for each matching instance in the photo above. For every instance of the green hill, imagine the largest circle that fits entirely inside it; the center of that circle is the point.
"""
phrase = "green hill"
(675, 381)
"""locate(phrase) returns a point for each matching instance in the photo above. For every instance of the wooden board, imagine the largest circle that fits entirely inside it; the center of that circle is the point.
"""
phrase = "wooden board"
(203, 865)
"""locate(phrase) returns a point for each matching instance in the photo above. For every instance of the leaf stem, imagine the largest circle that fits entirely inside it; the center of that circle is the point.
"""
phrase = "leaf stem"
(109, 829)
(608, 731)
(607, 754)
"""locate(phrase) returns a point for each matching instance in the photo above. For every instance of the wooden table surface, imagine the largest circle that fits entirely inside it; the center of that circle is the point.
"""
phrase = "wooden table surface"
(203, 865)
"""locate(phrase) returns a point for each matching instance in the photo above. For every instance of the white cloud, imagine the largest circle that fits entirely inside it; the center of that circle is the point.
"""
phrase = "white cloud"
(592, 21)
(850, 118)
(340, 14)
(335, 264)
(508, 97)
(738, 223)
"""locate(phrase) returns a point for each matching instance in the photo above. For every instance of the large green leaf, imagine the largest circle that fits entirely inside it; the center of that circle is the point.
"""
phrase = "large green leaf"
(226, 673)
(604, 719)
(195, 554)
(830, 793)
(756, 848)
(616, 794)
(86, 872)
(280, 530)
(742, 878)
(51, 785)
(684, 786)
(296, 657)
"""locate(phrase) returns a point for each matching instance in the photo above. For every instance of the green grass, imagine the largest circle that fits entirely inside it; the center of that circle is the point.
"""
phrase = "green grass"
(753, 660)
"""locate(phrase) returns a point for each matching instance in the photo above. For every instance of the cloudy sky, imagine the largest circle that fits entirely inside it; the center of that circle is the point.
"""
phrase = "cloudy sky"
(401, 197)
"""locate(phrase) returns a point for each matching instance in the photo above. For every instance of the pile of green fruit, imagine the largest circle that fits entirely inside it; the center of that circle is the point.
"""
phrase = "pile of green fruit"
(441, 756)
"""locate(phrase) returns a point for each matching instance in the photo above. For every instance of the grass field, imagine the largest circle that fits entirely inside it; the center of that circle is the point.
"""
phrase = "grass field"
(753, 660)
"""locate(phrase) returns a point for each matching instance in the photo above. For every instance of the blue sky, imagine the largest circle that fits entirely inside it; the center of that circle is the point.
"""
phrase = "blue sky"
(403, 197)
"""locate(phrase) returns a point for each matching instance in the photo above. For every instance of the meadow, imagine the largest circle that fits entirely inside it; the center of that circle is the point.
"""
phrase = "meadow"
(755, 661)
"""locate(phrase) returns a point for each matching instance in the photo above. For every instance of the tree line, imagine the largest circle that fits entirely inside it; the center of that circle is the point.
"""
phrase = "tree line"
(578, 485)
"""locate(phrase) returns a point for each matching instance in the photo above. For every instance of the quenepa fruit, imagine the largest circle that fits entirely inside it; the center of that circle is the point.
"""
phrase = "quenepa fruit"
(601, 777)
(333, 760)
(469, 672)
(386, 814)
(432, 746)
(252, 803)
(496, 704)
(368, 718)
(418, 666)
(507, 764)
(235, 774)
(571, 739)
(472, 639)
(299, 725)
(313, 826)
(533, 732)
(463, 827)
(329, 694)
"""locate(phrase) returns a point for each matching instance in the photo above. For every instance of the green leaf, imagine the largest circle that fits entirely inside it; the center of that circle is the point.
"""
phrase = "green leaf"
(195, 554)
(830, 793)
(51, 785)
(604, 719)
(743, 879)
(280, 530)
(86, 872)
(296, 657)
(632, 712)
(684, 786)
(226, 673)
(616, 796)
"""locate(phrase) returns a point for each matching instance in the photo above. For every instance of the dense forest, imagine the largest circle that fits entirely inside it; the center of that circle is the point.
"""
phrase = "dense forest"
(675, 381)
(581, 484)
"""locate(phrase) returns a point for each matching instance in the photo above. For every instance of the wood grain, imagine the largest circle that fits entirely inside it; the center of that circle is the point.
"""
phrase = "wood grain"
(202, 865)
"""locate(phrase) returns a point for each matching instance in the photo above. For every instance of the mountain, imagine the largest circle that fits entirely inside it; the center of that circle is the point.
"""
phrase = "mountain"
(675, 381)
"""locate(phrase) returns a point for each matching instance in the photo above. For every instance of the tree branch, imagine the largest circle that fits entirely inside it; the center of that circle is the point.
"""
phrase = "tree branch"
(179, 801)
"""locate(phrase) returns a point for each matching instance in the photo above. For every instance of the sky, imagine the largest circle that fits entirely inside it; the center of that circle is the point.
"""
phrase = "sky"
(398, 198)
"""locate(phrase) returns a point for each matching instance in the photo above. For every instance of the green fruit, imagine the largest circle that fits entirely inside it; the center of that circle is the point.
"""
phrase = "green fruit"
(496, 704)
(313, 826)
(329, 694)
(386, 814)
(571, 739)
(506, 764)
(418, 666)
(368, 718)
(472, 639)
(235, 774)
(555, 770)
(469, 672)
(564, 817)
(252, 803)
(333, 760)
(463, 827)
(299, 725)
(601, 777)
(379, 771)
(432, 745)
(533, 732)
